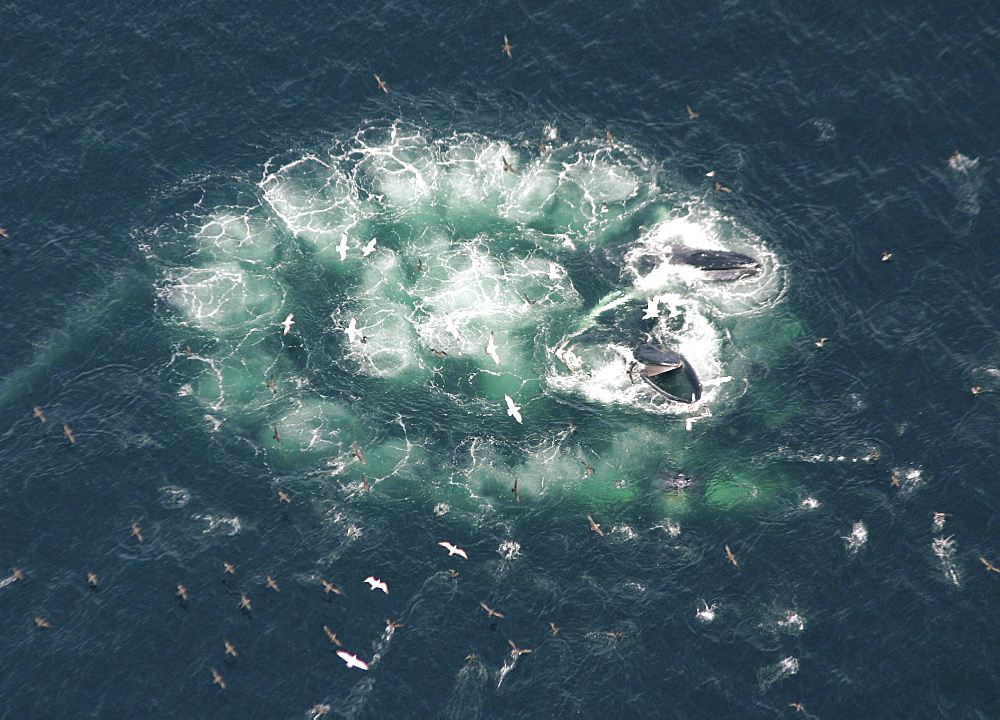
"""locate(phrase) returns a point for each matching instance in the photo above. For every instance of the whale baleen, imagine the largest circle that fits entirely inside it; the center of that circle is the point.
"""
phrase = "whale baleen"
(668, 373)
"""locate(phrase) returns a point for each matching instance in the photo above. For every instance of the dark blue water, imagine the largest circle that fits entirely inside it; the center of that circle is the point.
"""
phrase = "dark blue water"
(842, 132)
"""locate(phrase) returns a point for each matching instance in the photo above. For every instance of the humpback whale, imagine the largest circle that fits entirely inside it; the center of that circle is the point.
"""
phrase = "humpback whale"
(668, 373)
(717, 264)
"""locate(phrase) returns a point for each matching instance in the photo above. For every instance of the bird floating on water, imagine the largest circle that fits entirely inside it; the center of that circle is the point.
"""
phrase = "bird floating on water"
(507, 47)
(490, 612)
(652, 308)
(287, 323)
(730, 557)
(508, 167)
(512, 409)
(491, 349)
(352, 660)
(377, 584)
(369, 248)
(381, 85)
(595, 526)
(68, 432)
(452, 550)
(39, 413)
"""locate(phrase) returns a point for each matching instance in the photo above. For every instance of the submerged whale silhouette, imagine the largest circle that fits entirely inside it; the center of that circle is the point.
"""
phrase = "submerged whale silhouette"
(717, 264)
(668, 373)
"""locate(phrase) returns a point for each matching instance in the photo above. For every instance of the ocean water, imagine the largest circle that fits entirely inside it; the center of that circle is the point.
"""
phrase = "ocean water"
(178, 180)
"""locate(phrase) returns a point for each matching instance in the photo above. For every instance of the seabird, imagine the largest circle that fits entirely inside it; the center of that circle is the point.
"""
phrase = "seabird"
(365, 485)
(353, 333)
(507, 47)
(287, 323)
(471, 657)
(332, 636)
(555, 628)
(40, 414)
(352, 660)
(896, 481)
(182, 592)
(616, 635)
(41, 622)
(553, 273)
(490, 612)
(886, 256)
(137, 531)
(691, 113)
(609, 138)
(230, 649)
(516, 490)
(381, 85)
(16, 574)
(188, 352)
(92, 580)
(543, 149)
(989, 565)
(512, 409)
(342, 247)
(508, 167)
(452, 550)
(587, 470)
(5, 233)
(419, 267)
(377, 584)
(271, 583)
(229, 568)
(272, 386)
(217, 678)
(821, 342)
(518, 652)
(68, 432)
(390, 626)
(531, 303)
(329, 587)
(245, 604)
(358, 455)
(277, 435)
(369, 248)
(798, 706)
(595, 526)
(722, 188)
(438, 353)
(320, 709)
(284, 497)
(730, 557)
(491, 349)
(652, 308)
(976, 389)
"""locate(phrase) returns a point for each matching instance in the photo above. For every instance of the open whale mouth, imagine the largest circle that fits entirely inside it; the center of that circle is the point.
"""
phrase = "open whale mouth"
(717, 264)
(668, 373)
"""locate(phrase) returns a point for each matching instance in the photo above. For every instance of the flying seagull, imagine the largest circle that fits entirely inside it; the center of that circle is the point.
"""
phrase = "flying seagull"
(217, 678)
(491, 349)
(730, 557)
(230, 649)
(68, 431)
(989, 565)
(381, 85)
(691, 113)
(377, 584)
(512, 409)
(353, 333)
(518, 652)
(369, 248)
(287, 323)
(332, 636)
(596, 527)
(490, 612)
(342, 247)
(358, 455)
(507, 47)
(516, 490)
(40, 414)
(452, 550)
(508, 167)
(352, 660)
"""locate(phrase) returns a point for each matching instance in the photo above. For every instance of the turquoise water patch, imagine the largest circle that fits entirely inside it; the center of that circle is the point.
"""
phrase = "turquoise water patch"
(449, 311)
